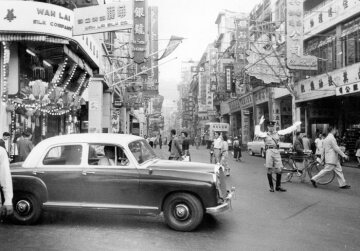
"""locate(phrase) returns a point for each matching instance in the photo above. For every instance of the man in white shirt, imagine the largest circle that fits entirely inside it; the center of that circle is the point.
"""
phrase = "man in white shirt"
(6, 184)
(217, 147)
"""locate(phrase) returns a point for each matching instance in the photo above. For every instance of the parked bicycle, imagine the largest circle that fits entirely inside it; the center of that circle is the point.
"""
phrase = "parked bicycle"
(311, 167)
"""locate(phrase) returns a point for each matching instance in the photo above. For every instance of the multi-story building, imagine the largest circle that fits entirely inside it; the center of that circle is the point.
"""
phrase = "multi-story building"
(330, 95)
(257, 80)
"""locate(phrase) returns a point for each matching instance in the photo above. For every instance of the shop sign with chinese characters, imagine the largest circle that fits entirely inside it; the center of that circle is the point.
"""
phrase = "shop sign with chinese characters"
(229, 78)
(103, 18)
(139, 31)
(338, 82)
(213, 64)
(35, 17)
(294, 38)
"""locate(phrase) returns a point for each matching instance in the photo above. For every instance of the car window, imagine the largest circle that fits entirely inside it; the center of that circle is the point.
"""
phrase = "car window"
(107, 155)
(142, 151)
(63, 155)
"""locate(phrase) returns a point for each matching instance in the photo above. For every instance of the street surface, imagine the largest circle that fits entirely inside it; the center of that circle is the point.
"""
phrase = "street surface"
(303, 218)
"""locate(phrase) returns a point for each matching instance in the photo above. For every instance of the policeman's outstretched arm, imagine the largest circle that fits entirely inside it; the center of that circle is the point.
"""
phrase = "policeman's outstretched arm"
(290, 129)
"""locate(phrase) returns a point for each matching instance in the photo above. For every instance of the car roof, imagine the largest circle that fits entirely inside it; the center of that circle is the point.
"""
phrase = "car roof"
(93, 138)
(105, 138)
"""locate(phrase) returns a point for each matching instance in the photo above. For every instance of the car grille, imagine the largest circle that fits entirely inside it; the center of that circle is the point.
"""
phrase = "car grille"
(222, 179)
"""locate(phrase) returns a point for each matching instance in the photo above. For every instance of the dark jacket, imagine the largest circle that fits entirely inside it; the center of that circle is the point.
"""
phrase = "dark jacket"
(25, 146)
(298, 146)
(2, 143)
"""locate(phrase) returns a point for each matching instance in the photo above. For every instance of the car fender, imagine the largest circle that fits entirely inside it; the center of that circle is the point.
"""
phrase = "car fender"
(30, 184)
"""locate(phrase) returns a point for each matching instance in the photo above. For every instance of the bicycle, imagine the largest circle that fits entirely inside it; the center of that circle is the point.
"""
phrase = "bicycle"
(312, 167)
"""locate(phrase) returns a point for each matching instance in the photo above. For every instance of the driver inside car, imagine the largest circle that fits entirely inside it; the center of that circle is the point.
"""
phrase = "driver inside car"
(109, 158)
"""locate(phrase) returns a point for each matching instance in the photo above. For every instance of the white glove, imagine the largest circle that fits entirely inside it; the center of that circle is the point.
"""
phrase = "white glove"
(262, 120)
(297, 123)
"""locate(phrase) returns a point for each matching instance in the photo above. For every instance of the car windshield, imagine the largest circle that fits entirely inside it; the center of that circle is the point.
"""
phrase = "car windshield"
(142, 151)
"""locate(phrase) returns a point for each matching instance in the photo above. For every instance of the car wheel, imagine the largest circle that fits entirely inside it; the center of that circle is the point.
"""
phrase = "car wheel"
(251, 152)
(27, 209)
(262, 153)
(183, 212)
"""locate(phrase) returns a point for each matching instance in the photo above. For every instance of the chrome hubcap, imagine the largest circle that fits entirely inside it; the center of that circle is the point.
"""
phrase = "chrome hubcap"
(23, 207)
(182, 212)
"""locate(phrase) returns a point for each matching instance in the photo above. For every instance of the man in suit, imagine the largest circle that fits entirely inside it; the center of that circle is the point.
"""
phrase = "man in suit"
(330, 156)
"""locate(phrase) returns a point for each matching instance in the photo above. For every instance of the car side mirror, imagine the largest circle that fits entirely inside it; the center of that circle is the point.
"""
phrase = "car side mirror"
(150, 171)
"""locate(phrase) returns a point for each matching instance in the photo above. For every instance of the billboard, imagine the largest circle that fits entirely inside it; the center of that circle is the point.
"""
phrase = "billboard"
(103, 18)
(36, 17)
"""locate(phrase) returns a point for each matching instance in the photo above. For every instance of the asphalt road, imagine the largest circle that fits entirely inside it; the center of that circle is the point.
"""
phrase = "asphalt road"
(303, 218)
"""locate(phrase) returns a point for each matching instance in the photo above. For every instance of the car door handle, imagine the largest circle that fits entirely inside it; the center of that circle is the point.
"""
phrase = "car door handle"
(36, 172)
(88, 172)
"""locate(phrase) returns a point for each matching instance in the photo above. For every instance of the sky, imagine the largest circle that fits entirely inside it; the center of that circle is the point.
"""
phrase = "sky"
(193, 20)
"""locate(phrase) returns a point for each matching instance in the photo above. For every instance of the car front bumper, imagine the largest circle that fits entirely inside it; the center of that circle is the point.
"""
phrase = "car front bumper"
(226, 205)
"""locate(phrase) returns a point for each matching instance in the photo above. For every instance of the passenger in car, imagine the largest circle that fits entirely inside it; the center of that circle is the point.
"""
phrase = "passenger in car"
(109, 158)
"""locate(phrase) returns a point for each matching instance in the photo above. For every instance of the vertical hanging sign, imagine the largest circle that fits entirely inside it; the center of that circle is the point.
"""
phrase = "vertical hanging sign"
(213, 63)
(139, 42)
(229, 77)
(295, 58)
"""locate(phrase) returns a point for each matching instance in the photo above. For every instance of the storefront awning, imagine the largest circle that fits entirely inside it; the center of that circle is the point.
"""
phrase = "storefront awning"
(35, 38)
(81, 63)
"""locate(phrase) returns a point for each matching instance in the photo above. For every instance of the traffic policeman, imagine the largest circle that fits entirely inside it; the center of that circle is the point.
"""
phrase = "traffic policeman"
(273, 158)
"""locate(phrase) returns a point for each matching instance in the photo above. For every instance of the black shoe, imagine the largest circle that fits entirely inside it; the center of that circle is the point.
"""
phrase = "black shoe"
(280, 189)
(313, 182)
(271, 189)
(345, 187)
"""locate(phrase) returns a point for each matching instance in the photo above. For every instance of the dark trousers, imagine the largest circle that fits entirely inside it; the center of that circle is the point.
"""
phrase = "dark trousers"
(237, 152)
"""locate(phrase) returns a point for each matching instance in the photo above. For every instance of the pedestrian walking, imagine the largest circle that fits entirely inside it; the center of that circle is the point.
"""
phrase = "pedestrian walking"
(6, 187)
(25, 145)
(273, 162)
(185, 146)
(175, 151)
(237, 149)
(217, 147)
(330, 157)
(4, 142)
(357, 147)
(224, 155)
(197, 142)
(160, 141)
(319, 144)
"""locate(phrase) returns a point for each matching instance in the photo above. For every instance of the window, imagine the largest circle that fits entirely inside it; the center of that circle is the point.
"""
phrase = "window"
(64, 155)
(142, 151)
(107, 155)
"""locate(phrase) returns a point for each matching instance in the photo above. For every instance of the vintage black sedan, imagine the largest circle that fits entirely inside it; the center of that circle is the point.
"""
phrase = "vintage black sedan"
(115, 172)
